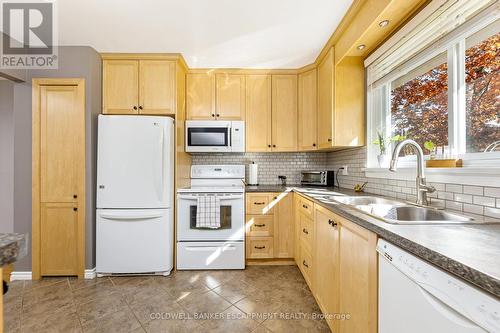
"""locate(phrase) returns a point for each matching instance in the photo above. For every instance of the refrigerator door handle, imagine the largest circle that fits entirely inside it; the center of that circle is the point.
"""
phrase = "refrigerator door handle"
(221, 197)
(130, 217)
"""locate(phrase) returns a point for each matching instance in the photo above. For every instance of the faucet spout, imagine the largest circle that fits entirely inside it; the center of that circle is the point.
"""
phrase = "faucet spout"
(421, 185)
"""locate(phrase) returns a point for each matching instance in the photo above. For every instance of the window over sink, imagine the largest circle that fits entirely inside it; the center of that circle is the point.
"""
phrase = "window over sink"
(438, 83)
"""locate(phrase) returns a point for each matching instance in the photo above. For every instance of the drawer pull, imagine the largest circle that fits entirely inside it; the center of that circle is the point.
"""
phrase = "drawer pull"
(259, 203)
(305, 231)
(259, 247)
(305, 264)
(305, 206)
(260, 225)
(332, 223)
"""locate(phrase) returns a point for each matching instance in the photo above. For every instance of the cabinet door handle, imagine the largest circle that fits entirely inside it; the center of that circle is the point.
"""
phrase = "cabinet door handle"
(259, 247)
(135, 107)
(218, 115)
(314, 145)
(305, 231)
(259, 203)
(75, 209)
(269, 146)
(274, 146)
(260, 225)
(213, 115)
(329, 140)
(332, 223)
(304, 206)
(75, 196)
(305, 264)
(140, 107)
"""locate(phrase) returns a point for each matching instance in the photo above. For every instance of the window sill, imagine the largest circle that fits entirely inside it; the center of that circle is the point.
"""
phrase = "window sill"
(479, 176)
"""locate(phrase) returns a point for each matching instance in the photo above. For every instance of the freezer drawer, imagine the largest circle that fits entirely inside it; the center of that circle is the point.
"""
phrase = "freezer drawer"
(210, 255)
(134, 240)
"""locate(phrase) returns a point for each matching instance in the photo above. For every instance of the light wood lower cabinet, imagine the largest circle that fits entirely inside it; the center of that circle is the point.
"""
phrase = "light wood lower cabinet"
(270, 225)
(326, 275)
(338, 260)
(358, 277)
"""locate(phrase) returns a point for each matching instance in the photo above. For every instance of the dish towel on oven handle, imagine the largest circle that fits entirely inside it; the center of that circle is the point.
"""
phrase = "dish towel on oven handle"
(208, 212)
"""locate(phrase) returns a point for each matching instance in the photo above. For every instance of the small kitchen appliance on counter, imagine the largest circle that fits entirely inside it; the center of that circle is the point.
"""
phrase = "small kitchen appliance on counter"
(318, 178)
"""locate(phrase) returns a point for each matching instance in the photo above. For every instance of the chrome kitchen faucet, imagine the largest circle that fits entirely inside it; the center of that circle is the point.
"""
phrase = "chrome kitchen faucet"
(422, 187)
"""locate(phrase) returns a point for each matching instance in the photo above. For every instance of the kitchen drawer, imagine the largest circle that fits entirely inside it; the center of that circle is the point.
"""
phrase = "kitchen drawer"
(259, 225)
(306, 266)
(259, 247)
(306, 232)
(258, 203)
(306, 207)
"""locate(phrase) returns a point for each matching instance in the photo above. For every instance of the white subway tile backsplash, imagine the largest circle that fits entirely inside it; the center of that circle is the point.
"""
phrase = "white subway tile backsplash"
(470, 199)
(463, 197)
(492, 212)
(473, 209)
(476, 190)
(484, 201)
(492, 192)
(454, 188)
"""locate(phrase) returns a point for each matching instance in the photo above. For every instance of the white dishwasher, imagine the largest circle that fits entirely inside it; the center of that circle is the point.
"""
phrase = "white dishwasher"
(415, 297)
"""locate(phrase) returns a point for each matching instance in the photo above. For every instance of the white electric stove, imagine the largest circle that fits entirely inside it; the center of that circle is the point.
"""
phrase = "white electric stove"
(221, 248)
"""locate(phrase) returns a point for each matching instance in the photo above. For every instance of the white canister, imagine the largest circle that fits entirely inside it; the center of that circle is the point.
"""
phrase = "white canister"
(253, 174)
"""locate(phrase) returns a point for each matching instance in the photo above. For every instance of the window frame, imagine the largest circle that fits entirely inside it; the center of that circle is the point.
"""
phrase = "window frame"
(453, 43)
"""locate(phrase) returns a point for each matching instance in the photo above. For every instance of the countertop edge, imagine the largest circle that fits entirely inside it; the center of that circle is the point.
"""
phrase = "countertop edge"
(477, 278)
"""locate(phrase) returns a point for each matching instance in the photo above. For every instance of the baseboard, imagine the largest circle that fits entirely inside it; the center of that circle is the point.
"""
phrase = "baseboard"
(18, 276)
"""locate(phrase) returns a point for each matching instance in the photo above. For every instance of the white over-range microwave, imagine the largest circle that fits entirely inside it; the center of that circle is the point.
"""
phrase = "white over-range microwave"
(215, 136)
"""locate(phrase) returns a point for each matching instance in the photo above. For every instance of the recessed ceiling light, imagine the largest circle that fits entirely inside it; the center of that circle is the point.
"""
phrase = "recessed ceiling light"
(361, 46)
(383, 23)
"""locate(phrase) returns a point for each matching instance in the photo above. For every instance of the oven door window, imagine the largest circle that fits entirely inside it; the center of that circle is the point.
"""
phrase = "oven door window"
(225, 218)
(208, 136)
(313, 178)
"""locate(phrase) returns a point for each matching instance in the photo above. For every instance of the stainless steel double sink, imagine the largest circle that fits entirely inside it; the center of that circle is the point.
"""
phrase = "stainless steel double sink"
(398, 212)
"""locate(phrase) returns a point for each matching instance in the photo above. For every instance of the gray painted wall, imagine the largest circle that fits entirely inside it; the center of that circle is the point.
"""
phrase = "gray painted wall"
(74, 62)
(6, 156)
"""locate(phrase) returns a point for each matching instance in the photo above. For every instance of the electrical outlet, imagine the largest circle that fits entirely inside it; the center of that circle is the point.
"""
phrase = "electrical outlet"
(344, 170)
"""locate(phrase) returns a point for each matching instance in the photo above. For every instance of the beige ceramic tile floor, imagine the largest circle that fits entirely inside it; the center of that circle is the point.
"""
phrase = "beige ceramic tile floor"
(254, 300)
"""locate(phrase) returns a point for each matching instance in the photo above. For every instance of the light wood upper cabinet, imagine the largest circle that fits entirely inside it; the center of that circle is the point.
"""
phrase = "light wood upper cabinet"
(283, 226)
(120, 86)
(326, 101)
(230, 96)
(200, 96)
(258, 113)
(284, 112)
(327, 264)
(307, 101)
(157, 87)
(139, 87)
(350, 103)
(358, 277)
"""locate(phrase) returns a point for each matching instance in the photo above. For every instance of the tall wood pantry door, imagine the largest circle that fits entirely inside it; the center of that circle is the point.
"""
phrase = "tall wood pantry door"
(58, 177)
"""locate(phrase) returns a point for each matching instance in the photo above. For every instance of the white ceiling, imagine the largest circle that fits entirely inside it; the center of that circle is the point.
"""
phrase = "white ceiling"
(209, 33)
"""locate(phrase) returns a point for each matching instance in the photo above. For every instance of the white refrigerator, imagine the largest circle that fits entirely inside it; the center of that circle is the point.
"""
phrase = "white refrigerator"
(135, 184)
